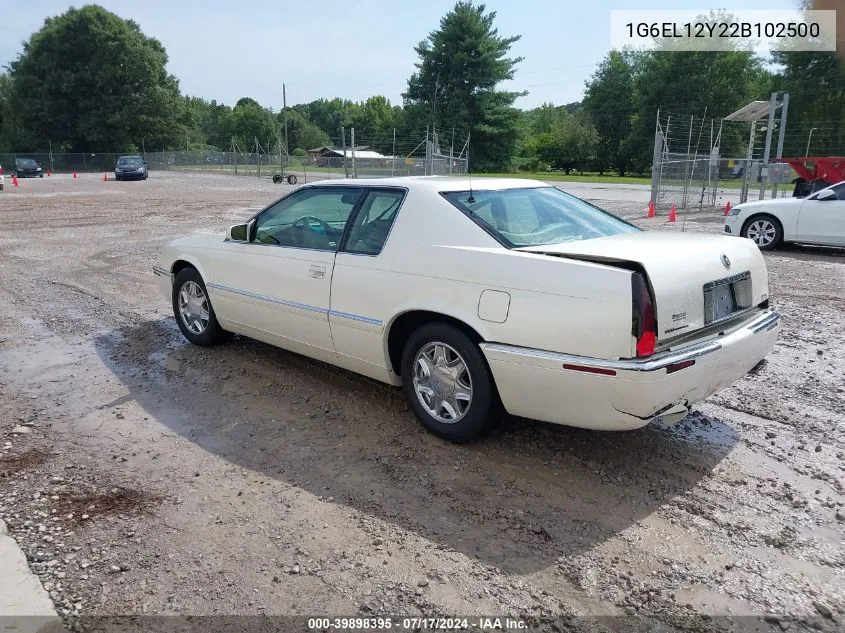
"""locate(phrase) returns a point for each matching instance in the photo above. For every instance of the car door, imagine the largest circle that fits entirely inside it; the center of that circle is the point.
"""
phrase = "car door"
(360, 306)
(823, 221)
(276, 286)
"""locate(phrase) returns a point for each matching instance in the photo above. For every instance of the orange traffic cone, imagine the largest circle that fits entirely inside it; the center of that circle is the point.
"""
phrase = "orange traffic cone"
(728, 208)
(650, 209)
(14, 180)
(1, 170)
(673, 214)
(75, 174)
(105, 177)
(49, 173)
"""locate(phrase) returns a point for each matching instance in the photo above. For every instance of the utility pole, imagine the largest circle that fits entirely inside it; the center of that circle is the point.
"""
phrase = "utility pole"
(393, 155)
(285, 117)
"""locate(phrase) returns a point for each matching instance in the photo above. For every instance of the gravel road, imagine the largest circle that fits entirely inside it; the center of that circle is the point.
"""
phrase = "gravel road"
(144, 476)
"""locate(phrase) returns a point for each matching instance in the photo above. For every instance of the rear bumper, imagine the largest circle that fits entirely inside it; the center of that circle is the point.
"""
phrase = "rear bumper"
(626, 394)
(129, 176)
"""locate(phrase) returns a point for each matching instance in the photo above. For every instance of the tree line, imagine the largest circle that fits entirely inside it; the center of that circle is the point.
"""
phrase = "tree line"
(89, 80)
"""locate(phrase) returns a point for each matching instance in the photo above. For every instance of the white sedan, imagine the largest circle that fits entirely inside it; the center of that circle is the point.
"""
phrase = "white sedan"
(817, 219)
(477, 295)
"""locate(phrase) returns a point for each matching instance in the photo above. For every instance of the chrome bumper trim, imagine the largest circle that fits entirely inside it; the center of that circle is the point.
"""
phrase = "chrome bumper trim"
(161, 272)
(765, 321)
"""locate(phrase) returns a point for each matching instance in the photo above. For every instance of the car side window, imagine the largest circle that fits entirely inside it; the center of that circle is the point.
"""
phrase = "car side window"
(312, 218)
(373, 223)
(840, 191)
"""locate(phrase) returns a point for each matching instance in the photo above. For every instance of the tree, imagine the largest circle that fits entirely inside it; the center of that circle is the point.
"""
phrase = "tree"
(248, 121)
(815, 81)
(89, 80)
(459, 67)
(570, 144)
(609, 101)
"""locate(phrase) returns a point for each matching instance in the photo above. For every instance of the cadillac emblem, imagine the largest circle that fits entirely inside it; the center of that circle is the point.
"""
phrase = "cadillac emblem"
(726, 262)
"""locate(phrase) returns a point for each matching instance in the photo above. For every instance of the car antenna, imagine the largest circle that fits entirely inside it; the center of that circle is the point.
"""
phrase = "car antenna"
(471, 199)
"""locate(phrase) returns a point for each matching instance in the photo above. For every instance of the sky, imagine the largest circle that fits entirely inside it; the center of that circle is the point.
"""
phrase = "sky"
(225, 50)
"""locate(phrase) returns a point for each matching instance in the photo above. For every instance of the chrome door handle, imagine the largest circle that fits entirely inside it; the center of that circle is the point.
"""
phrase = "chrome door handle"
(317, 272)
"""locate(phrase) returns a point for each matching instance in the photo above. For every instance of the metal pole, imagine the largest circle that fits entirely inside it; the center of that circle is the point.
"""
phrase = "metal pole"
(354, 170)
(285, 108)
(345, 160)
(258, 154)
(783, 110)
(393, 162)
(743, 196)
(452, 152)
(689, 148)
(764, 180)
(425, 160)
(51, 155)
(809, 138)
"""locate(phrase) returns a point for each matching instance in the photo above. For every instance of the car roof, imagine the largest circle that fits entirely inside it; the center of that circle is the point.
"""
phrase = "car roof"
(438, 183)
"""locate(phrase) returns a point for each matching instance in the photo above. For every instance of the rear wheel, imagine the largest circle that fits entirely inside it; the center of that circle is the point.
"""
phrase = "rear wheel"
(765, 231)
(447, 383)
(193, 310)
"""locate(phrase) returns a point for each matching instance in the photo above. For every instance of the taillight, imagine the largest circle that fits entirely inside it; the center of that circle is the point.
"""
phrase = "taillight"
(643, 322)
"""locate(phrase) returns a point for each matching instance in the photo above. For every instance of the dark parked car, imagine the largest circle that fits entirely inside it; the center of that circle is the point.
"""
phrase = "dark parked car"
(130, 168)
(27, 168)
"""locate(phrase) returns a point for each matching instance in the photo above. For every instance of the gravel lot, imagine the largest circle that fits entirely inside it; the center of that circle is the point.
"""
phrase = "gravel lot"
(145, 476)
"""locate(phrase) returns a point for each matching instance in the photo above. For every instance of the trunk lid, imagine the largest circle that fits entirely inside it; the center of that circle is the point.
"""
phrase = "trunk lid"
(679, 266)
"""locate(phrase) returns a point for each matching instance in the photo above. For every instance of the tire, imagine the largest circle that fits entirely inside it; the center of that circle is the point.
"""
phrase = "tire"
(472, 413)
(291, 179)
(204, 332)
(764, 230)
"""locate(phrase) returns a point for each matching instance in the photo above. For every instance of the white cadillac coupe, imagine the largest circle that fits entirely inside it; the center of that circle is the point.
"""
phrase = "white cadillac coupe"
(481, 294)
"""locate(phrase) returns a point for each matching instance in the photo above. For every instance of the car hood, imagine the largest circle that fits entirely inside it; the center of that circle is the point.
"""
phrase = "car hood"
(775, 202)
(678, 266)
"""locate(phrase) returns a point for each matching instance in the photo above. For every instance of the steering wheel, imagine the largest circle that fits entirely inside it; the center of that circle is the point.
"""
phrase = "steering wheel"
(310, 220)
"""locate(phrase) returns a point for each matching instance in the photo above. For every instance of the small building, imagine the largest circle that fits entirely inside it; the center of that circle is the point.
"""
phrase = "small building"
(326, 156)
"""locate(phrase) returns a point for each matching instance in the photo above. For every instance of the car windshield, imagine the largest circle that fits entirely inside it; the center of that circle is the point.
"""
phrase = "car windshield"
(26, 162)
(129, 160)
(541, 215)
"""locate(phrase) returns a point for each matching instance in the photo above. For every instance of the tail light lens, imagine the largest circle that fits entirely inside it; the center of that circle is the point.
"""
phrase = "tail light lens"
(643, 322)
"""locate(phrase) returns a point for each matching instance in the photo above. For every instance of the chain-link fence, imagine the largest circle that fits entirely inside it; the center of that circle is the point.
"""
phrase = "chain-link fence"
(411, 154)
(692, 166)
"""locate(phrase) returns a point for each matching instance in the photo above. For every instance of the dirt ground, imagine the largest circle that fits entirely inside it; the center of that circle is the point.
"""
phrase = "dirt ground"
(145, 476)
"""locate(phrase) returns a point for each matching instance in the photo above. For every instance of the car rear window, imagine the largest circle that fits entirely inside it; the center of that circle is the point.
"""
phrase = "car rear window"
(539, 215)
(128, 161)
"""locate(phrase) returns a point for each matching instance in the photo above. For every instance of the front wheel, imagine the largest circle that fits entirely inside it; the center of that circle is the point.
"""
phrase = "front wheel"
(765, 231)
(193, 311)
(447, 383)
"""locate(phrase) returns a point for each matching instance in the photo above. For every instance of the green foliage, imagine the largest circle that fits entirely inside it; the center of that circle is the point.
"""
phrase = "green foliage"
(609, 101)
(90, 80)
(299, 152)
(248, 121)
(459, 67)
(816, 83)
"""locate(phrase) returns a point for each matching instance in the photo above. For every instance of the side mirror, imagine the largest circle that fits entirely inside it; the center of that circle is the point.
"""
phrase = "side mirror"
(237, 233)
(827, 194)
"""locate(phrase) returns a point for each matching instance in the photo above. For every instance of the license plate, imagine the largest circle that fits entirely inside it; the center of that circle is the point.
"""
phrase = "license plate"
(725, 297)
(724, 303)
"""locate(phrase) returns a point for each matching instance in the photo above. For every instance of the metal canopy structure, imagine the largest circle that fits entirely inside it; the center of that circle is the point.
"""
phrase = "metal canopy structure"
(751, 113)
(754, 111)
